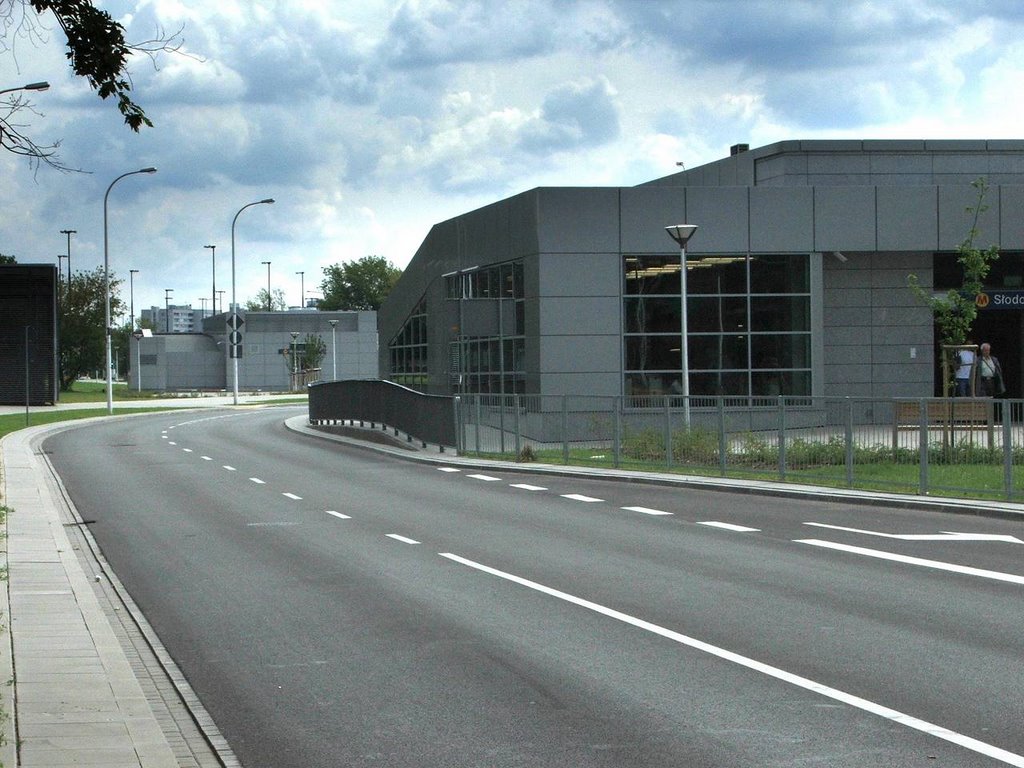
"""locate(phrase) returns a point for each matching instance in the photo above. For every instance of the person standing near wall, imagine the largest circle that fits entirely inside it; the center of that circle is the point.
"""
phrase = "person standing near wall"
(965, 359)
(989, 373)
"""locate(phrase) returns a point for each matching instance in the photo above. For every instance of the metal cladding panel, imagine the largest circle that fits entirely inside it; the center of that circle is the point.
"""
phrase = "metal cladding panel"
(722, 217)
(1011, 224)
(907, 218)
(646, 211)
(844, 218)
(578, 220)
(781, 219)
(28, 334)
(956, 220)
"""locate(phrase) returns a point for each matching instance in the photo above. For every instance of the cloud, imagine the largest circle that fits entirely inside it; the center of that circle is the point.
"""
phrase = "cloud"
(573, 116)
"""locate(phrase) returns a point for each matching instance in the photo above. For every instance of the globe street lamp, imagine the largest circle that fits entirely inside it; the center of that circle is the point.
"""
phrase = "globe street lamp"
(235, 335)
(681, 233)
(106, 282)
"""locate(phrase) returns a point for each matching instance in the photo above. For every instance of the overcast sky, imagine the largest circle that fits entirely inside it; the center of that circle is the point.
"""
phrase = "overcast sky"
(370, 121)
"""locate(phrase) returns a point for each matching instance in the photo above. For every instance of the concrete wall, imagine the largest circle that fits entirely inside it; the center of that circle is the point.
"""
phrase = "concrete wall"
(200, 361)
(877, 340)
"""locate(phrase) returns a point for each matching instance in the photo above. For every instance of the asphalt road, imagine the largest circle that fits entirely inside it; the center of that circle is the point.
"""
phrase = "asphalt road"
(335, 607)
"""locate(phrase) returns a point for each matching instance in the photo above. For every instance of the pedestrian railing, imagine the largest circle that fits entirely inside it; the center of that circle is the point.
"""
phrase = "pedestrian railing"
(961, 446)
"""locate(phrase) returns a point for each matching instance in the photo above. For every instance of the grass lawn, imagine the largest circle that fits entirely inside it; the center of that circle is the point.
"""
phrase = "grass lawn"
(966, 480)
(14, 421)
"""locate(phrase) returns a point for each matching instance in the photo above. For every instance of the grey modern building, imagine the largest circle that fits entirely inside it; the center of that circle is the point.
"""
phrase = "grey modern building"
(184, 361)
(796, 278)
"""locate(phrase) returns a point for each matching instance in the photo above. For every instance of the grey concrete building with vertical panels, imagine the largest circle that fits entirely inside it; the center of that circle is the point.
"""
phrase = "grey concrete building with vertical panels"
(187, 361)
(797, 277)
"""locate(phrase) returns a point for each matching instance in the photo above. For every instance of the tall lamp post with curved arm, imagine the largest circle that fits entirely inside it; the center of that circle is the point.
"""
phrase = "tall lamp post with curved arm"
(235, 335)
(106, 284)
(682, 233)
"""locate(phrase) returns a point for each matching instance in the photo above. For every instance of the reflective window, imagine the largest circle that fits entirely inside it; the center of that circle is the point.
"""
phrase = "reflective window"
(748, 323)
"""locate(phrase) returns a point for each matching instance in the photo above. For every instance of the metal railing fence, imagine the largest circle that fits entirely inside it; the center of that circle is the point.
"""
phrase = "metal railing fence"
(428, 418)
(963, 446)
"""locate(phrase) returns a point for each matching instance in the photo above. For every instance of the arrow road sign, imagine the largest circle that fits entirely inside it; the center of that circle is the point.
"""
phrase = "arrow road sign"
(943, 536)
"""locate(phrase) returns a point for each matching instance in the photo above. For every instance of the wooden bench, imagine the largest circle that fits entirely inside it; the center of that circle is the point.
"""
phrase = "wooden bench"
(967, 413)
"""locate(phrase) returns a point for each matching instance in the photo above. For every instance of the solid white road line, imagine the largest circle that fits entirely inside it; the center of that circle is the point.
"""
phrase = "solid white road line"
(527, 487)
(967, 742)
(936, 564)
(402, 539)
(257, 481)
(338, 515)
(292, 496)
(729, 526)
(647, 510)
(579, 497)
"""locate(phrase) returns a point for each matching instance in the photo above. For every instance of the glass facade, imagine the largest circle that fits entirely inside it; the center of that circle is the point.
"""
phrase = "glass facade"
(748, 322)
(489, 360)
(409, 350)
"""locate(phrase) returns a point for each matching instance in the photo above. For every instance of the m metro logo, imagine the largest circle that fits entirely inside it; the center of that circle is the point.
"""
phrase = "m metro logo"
(981, 300)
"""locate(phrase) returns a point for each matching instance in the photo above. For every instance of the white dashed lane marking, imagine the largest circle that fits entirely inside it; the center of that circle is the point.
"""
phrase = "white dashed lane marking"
(338, 515)
(448, 469)
(647, 510)
(257, 481)
(292, 496)
(579, 497)
(527, 487)
(402, 539)
(729, 526)
(485, 478)
(229, 468)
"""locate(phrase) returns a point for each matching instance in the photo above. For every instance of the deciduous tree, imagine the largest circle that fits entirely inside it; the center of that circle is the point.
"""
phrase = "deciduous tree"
(362, 284)
(956, 309)
(82, 319)
(96, 50)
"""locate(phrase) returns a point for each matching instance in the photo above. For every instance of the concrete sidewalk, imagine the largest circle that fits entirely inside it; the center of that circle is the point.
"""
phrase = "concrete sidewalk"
(90, 688)
(91, 682)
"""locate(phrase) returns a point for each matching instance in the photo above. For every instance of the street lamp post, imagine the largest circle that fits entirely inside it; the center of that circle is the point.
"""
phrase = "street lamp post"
(295, 361)
(131, 296)
(30, 87)
(60, 267)
(681, 233)
(334, 350)
(167, 309)
(213, 253)
(106, 280)
(69, 233)
(270, 306)
(233, 317)
(302, 291)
